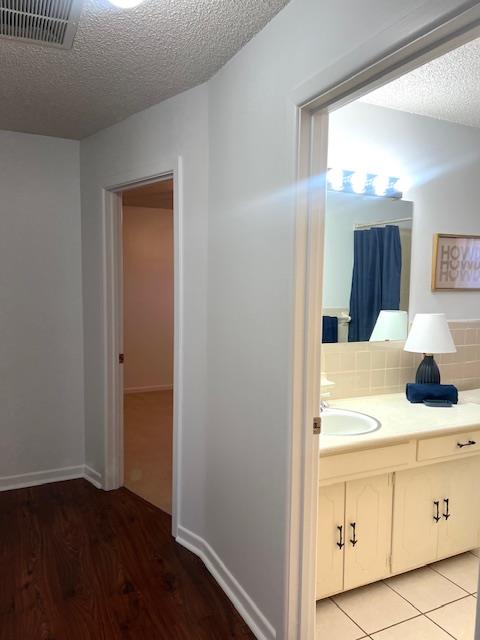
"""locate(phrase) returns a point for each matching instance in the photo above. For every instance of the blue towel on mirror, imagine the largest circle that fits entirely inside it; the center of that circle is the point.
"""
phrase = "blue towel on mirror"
(330, 329)
(417, 393)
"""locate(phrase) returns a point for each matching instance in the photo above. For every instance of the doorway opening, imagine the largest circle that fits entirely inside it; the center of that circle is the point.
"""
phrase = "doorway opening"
(148, 341)
(167, 183)
(309, 470)
(385, 553)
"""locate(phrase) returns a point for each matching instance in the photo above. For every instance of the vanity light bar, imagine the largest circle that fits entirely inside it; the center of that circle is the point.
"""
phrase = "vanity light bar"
(368, 184)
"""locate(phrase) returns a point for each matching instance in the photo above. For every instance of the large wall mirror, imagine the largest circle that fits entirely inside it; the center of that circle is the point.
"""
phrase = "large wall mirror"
(367, 259)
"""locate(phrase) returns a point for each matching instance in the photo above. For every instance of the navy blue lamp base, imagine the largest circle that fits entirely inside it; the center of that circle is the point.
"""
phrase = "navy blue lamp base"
(428, 371)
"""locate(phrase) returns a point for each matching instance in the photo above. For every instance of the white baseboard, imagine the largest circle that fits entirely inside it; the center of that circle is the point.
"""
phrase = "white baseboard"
(159, 387)
(23, 480)
(240, 599)
(92, 476)
(40, 477)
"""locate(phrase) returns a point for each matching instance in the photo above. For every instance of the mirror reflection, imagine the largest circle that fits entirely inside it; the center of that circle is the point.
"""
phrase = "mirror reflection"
(367, 259)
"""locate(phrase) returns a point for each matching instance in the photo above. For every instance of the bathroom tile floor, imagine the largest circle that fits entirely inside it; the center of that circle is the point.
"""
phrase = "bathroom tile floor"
(437, 602)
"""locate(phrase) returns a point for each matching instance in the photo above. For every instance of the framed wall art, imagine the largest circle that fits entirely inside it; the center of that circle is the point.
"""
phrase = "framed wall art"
(456, 262)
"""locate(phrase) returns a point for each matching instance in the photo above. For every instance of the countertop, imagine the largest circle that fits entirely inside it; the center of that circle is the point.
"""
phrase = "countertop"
(402, 420)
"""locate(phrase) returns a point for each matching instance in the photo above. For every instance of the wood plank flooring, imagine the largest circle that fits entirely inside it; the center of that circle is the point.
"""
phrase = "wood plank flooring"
(77, 563)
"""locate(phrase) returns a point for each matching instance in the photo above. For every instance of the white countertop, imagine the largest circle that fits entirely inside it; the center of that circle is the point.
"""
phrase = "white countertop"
(402, 420)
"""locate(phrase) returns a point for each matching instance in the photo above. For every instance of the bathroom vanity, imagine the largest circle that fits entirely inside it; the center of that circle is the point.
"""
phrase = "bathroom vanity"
(400, 497)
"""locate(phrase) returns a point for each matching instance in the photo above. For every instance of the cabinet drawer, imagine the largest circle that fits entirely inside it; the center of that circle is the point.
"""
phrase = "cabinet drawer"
(345, 465)
(456, 444)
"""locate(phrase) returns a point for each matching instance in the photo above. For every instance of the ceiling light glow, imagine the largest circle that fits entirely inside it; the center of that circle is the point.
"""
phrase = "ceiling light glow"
(362, 183)
(359, 183)
(126, 4)
(380, 185)
(335, 178)
(400, 184)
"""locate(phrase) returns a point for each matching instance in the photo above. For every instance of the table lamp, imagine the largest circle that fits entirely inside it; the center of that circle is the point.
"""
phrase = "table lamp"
(390, 325)
(429, 334)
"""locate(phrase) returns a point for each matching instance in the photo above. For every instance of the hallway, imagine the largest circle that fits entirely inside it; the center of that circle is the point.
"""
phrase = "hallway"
(78, 563)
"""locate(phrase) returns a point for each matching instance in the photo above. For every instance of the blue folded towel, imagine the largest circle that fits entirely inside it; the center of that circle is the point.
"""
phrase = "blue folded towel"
(330, 329)
(419, 392)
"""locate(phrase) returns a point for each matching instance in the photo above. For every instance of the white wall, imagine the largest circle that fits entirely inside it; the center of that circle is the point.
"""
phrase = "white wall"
(130, 150)
(441, 162)
(148, 298)
(251, 244)
(41, 336)
(235, 452)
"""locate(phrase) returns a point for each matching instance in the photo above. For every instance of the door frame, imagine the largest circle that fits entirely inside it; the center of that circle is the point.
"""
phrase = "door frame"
(113, 324)
(313, 102)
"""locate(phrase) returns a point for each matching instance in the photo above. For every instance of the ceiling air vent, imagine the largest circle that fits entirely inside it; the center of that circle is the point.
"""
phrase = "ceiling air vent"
(48, 22)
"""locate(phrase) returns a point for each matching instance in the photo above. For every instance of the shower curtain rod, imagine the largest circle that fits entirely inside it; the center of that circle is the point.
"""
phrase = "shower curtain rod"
(381, 224)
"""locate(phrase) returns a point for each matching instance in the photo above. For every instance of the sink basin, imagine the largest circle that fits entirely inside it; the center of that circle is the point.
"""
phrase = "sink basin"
(341, 422)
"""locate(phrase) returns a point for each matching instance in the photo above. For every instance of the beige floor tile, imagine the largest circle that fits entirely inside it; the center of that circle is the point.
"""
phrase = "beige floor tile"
(462, 570)
(417, 629)
(425, 589)
(333, 624)
(375, 607)
(148, 431)
(458, 618)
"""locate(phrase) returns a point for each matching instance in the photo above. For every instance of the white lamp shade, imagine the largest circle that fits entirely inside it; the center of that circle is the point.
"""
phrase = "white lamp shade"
(430, 333)
(390, 325)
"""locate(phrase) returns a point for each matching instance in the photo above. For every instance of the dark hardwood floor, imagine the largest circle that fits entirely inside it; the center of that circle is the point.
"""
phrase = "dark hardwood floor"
(77, 563)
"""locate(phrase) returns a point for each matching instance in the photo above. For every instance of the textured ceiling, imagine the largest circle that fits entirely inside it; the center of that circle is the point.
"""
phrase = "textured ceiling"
(447, 88)
(122, 62)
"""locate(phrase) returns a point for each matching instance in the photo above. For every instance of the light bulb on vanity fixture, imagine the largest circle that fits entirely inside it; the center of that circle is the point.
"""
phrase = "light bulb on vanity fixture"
(363, 184)
(125, 4)
(429, 334)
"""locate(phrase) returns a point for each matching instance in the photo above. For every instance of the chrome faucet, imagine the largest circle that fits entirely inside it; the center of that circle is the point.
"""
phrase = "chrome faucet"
(324, 405)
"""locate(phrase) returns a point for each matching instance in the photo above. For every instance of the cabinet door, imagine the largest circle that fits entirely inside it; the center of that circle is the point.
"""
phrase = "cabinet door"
(331, 512)
(460, 524)
(415, 527)
(368, 521)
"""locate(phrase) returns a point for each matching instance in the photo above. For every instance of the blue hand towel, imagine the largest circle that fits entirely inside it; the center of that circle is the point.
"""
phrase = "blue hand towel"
(417, 393)
(330, 329)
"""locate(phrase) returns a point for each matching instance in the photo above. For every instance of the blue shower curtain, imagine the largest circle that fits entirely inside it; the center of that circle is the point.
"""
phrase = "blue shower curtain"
(377, 268)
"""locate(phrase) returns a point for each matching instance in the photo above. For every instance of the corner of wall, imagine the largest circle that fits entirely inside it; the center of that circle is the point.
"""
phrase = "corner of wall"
(240, 599)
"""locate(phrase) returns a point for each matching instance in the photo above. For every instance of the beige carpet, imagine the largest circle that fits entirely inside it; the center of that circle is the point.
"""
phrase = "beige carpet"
(148, 430)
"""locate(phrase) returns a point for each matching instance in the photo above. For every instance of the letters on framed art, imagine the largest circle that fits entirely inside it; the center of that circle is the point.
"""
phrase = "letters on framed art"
(456, 262)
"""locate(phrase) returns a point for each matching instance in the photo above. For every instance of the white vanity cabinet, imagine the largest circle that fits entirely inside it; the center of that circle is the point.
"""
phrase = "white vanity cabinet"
(436, 512)
(390, 509)
(354, 533)
(461, 530)
(330, 539)
(368, 524)
(418, 493)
